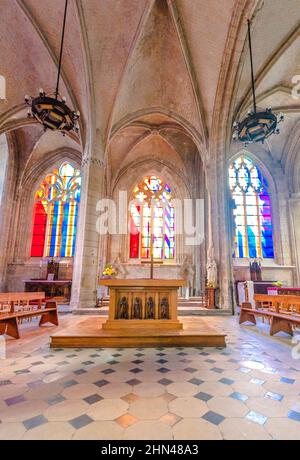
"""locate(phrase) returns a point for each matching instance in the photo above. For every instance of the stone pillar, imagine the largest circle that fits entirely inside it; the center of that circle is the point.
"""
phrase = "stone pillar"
(86, 261)
(294, 206)
(218, 231)
(8, 207)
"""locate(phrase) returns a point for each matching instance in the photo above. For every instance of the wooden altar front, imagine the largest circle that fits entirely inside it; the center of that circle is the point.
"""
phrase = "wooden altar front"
(143, 304)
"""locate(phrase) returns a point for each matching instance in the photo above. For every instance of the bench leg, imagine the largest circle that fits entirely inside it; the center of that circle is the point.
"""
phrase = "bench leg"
(246, 316)
(13, 328)
(50, 317)
(280, 325)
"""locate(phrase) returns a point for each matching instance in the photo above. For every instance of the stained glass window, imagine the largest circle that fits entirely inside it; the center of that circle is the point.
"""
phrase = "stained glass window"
(252, 213)
(56, 213)
(152, 221)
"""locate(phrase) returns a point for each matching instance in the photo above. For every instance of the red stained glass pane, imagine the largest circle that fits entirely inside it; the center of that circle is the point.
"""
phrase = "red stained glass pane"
(135, 232)
(39, 230)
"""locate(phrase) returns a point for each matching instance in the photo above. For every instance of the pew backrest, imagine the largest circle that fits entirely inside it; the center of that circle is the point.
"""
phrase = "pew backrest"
(281, 304)
(20, 301)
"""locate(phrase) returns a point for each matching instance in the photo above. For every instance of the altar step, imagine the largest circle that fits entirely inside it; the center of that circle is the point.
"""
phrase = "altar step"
(191, 307)
(196, 307)
(196, 332)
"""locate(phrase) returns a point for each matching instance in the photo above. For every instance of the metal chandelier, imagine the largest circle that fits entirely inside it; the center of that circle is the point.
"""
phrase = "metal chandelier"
(52, 111)
(259, 124)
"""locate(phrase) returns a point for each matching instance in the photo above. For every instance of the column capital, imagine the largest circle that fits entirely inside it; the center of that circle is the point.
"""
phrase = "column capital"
(88, 160)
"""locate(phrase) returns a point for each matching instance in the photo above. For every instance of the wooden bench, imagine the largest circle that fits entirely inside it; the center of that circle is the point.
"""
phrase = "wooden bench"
(282, 311)
(15, 307)
(288, 304)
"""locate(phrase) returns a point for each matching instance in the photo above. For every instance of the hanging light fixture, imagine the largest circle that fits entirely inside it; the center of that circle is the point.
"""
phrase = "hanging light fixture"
(259, 124)
(53, 112)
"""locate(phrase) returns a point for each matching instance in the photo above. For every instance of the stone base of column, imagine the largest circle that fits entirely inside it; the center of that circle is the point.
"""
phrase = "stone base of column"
(83, 300)
(82, 305)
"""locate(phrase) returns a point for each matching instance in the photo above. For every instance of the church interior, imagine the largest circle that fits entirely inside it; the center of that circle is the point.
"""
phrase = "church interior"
(150, 220)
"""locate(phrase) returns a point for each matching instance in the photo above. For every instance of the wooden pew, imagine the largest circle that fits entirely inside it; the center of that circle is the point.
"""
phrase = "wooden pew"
(15, 307)
(282, 311)
(18, 300)
(281, 304)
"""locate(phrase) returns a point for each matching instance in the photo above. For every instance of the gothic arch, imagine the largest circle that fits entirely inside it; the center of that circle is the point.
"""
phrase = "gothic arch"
(261, 165)
(190, 130)
(34, 175)
(132, 174)
(129, 178)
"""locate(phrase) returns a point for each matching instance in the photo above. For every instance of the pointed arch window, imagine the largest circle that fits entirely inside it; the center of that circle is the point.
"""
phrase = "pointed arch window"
(252, 213)
(56, 213)
(156, 220)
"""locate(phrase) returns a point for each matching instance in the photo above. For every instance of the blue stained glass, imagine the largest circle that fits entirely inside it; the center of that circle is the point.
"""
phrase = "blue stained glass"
(54, 229)
(64, 230)
(252, 214)
(240, 244)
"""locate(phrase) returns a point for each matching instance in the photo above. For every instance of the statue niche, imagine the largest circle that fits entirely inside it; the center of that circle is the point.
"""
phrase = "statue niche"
(150, 308)
(164, 308)
(123, 309)
(137, 309)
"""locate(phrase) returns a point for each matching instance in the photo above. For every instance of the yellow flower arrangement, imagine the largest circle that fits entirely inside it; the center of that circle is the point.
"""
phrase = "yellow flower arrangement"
(278, 284)
(109, 270)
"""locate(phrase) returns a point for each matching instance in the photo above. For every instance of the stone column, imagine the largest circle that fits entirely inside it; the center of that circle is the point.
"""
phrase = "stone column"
(86, 261)
(294, 206)
(8, 208)
(218, 231)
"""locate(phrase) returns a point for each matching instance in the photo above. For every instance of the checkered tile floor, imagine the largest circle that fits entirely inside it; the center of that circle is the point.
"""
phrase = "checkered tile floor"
(250, 390)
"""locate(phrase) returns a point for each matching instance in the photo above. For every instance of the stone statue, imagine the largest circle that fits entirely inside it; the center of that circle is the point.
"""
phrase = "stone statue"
(150, 308)
(52, 269)
(123, 309)
(255, 270)
(212, 269)
(164, 308)
(137, 308)
(187, 272)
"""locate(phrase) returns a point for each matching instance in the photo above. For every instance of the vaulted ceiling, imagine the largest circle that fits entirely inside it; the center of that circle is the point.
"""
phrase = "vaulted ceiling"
(184, 63)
